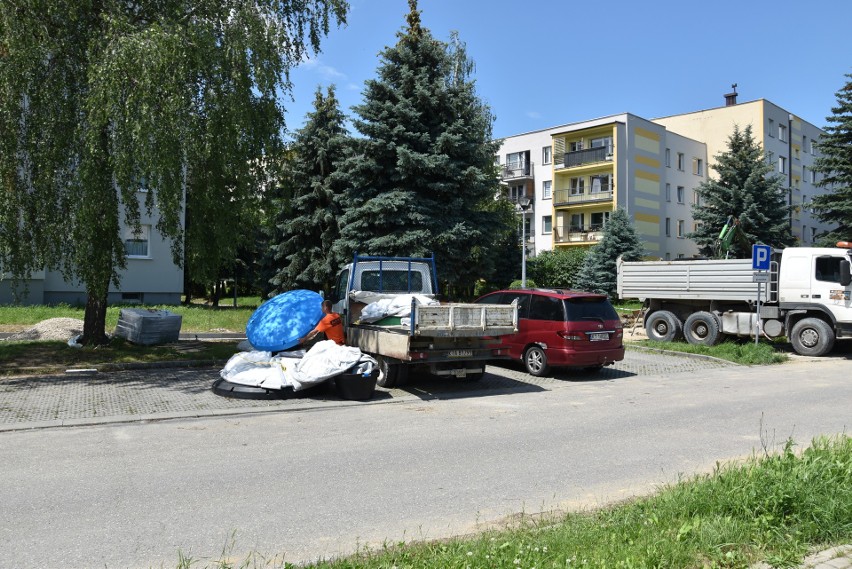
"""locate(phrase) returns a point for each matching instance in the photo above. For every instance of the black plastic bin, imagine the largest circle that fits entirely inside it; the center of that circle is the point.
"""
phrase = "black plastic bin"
(356, 386)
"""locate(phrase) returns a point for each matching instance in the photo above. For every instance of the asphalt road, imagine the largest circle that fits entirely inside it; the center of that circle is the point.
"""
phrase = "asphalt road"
(310, 483)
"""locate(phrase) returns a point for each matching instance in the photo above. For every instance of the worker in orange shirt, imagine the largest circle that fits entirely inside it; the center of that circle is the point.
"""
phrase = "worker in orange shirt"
(331, 324)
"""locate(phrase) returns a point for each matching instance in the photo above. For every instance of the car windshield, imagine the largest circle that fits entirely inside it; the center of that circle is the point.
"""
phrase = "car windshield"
(589, 308)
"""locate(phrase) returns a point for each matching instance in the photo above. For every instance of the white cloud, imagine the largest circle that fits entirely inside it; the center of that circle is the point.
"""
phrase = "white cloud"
(327, 72)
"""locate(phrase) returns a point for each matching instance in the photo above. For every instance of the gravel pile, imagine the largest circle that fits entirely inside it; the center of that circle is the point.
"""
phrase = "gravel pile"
(58, 329)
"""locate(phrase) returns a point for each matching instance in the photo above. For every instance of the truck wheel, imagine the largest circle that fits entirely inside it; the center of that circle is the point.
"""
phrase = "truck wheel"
(390, 374)
(702, 328)
(812, 337)
(535, 360)
(663, 326)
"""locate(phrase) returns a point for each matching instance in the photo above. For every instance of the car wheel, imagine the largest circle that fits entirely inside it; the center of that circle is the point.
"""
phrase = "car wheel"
(390, 374)
(535, 360)
(663, 326)
(703, 329)
(812, 337)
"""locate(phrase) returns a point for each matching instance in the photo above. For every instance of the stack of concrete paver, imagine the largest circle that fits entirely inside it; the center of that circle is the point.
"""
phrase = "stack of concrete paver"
(148, 326)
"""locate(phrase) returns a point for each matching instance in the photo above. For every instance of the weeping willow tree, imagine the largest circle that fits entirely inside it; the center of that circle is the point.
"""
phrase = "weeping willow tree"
(98, 97)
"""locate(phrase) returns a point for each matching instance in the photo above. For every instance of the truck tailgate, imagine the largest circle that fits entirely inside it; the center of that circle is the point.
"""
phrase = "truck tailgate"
(465, 320)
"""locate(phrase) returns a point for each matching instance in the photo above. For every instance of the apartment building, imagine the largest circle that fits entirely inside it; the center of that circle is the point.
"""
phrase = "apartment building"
(787, 141)
(151, 276)
(585, 170)
(577, 174)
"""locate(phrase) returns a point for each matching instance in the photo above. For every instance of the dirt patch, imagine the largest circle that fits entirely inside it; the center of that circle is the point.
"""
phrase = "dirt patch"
(55, 329)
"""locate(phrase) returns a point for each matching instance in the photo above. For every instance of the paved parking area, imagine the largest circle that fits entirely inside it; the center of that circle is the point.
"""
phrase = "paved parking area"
(162, 393)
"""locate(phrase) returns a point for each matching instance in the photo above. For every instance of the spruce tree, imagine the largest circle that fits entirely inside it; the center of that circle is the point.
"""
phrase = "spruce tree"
(835, 163)
(747, 190)
(598, 273)
(424, 167)
(308, 223)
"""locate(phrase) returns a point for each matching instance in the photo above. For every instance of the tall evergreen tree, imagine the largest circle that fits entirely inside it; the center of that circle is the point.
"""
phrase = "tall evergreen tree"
(835, 163)
(598, 273)
(308, 227)
(425, 166)
(747, 190)
(97, 97)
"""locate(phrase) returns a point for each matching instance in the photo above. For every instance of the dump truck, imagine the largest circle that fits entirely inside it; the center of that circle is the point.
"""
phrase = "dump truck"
(451, 339)
(804, 295)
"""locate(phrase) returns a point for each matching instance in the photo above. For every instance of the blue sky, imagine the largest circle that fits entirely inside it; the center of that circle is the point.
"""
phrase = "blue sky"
(543, 63)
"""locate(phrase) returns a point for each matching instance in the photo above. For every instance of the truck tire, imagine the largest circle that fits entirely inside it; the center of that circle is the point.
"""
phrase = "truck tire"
(812, 337)
(663, 326)
(390, 374)
(535, 360)
(702, 329)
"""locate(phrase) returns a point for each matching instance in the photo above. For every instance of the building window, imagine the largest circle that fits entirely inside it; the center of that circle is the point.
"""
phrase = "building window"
(782, 133)
(576, 222)
(600, 183)
(804, 173)
(517, 192)
(602, 142)
(680, 161)
(681, 256)
(680, 228)
(575, 145)
(546, 155)
(577, 186)
(547, 225)
(136, 244)
(599, 220)
(813, 234)
(805, 144)
(696, 199)
(771, 129)
(680, 194)
(668, 227)
(668, 157)
(668, 192)
(813, 176)
(546, 189)
(697, 167)
(782, 164)
(770, 156)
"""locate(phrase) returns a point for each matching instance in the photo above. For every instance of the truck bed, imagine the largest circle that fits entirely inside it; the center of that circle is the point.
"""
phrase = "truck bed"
(720, 280)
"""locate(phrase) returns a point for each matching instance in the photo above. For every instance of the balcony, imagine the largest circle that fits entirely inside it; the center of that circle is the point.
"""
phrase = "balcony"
(587, 156)
(516, 171)
(572, 197)
(575, 235)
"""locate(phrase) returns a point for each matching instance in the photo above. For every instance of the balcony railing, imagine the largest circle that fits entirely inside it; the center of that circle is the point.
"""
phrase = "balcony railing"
(563, 197)
(587, 156)
(576, 234)
(515, 171)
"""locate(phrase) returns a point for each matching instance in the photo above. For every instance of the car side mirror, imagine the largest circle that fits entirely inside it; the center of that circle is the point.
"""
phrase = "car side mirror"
(845, 274)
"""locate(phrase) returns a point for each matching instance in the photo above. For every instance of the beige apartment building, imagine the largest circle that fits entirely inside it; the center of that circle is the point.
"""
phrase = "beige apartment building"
(576, 174)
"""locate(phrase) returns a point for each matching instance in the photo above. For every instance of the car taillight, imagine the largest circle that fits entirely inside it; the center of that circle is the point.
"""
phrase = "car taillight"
(565, 335)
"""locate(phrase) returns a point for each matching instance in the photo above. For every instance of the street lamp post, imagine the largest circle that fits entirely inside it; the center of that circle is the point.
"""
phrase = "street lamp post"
(524, 203)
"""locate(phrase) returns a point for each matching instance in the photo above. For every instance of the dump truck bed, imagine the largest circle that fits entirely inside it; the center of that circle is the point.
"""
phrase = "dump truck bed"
(719, 280)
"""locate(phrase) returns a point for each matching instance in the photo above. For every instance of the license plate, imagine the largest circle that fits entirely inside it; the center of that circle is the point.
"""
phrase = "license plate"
(598, 336)
(460, 354)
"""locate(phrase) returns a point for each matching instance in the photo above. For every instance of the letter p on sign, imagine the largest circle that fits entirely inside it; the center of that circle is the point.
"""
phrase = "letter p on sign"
(760, 257)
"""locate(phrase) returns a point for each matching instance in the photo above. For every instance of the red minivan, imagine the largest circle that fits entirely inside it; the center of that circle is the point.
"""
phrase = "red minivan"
(561, 328)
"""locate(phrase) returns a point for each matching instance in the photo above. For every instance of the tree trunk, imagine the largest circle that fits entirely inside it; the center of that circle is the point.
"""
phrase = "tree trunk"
(94, 321)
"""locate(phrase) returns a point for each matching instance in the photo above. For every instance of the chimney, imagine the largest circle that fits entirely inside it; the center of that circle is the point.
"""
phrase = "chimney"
(731, 98)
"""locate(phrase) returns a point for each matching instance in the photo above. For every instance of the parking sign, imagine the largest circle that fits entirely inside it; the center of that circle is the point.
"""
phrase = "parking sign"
(760, 257)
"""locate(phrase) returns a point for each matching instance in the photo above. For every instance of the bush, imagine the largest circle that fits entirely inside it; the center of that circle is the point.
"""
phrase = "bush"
(517, 284)
(557, 269)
